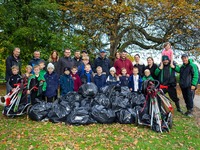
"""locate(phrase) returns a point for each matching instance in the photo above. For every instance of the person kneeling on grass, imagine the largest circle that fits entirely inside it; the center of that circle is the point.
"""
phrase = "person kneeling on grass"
(66, 82)
(52, 81)
(36, 85)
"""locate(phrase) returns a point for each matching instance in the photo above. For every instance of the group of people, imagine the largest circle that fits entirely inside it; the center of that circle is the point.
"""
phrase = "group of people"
(43, 78)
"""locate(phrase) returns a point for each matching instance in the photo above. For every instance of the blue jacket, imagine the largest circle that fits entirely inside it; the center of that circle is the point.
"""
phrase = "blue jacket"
(100, 81)
(34, 62)
(52, 81)
(112, 80)
(123, 80)
(87, 78)
(131, 83)
(66, 84)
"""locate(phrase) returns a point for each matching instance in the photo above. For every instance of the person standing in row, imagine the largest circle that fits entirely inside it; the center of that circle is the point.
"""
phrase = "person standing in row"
(65, 62)
(140, 65)
(123, 62)
(188, 82)
(54, 58)
(35, 60)
(12, 60)
(103, 62)
(77, 58)
(151, 66)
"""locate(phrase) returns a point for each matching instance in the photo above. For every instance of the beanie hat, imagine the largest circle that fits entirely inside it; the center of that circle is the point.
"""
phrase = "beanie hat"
(66, 69)
(113, 69)
(165, 58)
(50, 65)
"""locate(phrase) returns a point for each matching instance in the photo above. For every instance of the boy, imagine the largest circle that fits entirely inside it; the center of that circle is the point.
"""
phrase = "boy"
(135, 81)
(36, 85)
(14, 78)
(147, 75)
(81, 68)
(52, 81)
(76, 78)
(112, 79)
(42, 68)
(87, 77)
(66, 82)
(27, 74)
(124, 78)
(100, 78)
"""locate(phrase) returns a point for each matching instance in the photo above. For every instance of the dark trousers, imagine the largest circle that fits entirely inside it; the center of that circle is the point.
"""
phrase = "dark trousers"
(34, 96)
(188, 96)
(172, 93)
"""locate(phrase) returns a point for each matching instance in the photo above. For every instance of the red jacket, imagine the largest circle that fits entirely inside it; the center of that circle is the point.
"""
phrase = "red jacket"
(77, 81)
(119, 64)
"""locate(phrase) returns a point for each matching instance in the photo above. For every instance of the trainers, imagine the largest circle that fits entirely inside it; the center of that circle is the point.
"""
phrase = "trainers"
(189, 113)
(179, 110)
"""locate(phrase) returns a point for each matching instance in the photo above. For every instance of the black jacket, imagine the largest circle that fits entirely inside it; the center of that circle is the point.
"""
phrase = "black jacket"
(141, 68)
(63, 63)
(77, 62)
(166, 76)
(11, 61)
(152, 70)
(104, 63)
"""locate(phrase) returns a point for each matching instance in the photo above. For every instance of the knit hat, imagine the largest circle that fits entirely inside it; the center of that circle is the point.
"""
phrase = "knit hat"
(113, 69)
(50, 65)
(67, 69)
(165, 58)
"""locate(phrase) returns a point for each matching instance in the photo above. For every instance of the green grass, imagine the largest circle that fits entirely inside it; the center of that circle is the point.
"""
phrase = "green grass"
(22, 133)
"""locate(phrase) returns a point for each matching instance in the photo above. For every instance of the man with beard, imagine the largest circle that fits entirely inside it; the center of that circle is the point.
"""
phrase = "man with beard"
(167, 78)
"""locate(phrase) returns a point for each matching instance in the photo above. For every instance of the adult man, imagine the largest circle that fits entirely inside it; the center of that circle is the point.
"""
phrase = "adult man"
(123, 62)
(77, 58)
(36, 59)
(65, 62)
(12, 60)
(188, 82)
(140, 65)
(166, 76)
(103, 62)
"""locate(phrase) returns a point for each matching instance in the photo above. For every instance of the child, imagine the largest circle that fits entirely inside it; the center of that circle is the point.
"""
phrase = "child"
(42, 68)
(87, 77)
(66, 82)
(112, 79)
(76, 78)
(124, 78)
(81, 68)
(147, 75)
(14, 78)
(27, 74)
(100, 78)
(135, 81)
(168, 51)
(52, 81)
(36, 85)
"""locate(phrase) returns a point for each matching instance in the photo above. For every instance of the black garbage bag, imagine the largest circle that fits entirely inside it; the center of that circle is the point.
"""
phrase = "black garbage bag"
(102, 99)
(72, 98)
(103, 115)
(79, 116)
(58, 113)
(39, 111)
(126, 116)
(137, 100)
(86, 102)
(120, 102)
(88, 90)
(125, 90)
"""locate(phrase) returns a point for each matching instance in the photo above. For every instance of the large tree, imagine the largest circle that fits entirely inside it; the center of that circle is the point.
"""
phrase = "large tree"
(126, 24)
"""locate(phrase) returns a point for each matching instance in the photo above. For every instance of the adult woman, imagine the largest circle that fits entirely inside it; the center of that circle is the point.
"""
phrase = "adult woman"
(54, 57)
(151, 66)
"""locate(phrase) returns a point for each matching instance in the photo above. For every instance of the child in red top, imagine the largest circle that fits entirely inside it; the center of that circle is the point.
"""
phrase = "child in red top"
(168, 51)
(76, 78)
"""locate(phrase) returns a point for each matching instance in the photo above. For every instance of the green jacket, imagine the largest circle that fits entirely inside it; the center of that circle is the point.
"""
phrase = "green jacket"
(147, 78)
(42, 72)
(41, 81)
(189, 74)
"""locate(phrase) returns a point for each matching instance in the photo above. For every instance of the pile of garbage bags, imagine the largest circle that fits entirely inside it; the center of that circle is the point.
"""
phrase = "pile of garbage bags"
(111, 104)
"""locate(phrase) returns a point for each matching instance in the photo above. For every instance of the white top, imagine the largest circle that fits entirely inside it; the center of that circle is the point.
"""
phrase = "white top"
(136, 80)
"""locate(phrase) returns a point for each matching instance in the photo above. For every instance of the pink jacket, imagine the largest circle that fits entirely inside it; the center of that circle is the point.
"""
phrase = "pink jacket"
(168, 53)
